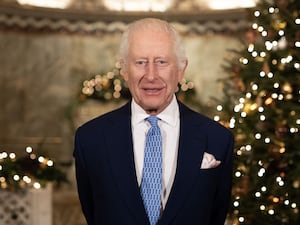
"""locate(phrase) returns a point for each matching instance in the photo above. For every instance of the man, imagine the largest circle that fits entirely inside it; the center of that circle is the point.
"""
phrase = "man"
(195, 167)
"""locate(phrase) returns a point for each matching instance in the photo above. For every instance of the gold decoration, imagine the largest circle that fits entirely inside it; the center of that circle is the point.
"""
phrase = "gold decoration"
(287, 88)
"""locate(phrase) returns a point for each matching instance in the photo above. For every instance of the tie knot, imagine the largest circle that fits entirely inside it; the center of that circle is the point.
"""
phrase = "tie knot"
(152, 120)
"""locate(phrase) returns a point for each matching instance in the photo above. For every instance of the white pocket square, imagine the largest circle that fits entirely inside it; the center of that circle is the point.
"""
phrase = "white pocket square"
(209, 161)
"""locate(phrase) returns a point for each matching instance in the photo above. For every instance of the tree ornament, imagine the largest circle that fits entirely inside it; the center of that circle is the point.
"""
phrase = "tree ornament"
(250, 36)
(282, 3)
(296, 183)
(279, 24)
(261, 126)
(274, 151)
(281, 130)
(266, 67)
(287, 88)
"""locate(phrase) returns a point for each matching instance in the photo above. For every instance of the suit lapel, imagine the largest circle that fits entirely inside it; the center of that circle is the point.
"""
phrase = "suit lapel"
(191, 148)
(122, 163)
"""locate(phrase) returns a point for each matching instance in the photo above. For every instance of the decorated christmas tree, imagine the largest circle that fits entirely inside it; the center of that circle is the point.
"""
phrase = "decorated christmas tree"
(261, 106)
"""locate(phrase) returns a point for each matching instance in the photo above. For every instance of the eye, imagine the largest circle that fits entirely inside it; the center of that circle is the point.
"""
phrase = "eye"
(141, 62)
(161, 62)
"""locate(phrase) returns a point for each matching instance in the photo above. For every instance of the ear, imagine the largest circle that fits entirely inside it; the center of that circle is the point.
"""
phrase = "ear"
(123, 70)
(181, 70)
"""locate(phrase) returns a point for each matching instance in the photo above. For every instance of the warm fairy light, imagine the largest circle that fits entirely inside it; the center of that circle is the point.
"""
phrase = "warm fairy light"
(27, 179)
(236, 203)
(262, 54)
(269, 45)
(36, 185)
(257, 136)
(241, 219)
(237, 108)
(219, 108)
(294, 130)
(32, 156)
(262, 207)
(232, 123)
(267, 140)
(28, 149)
(264, 189)
(248, 95)
(248, 148)
(254, 26)
(264, 33)
(268, 101)
(286, 202)
(257, 194)
(244, 60)
(3, 155)
(254, 87)
(217, 118)
(282, 150)
(41, 159)
(271, 10)
(50, 163)
(238, 174)
(261, 109)
(254, 54)
(274, 95)
(271, 211)
(297, 44)
(294, 205)
(256, 13)
(260, 28)
(16, 177)
(12, 155)
(243, 114)
(251, 48)
(281, 32)
(262, 117)
(288, 59)
(261, 172)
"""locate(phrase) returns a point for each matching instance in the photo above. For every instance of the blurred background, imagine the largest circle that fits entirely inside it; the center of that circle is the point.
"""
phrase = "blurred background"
(58, 70)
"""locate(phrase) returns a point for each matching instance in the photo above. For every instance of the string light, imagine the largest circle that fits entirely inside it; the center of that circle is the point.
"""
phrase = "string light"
(26, 177)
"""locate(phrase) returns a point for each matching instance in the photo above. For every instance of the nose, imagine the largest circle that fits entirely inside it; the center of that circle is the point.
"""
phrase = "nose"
(151, 71)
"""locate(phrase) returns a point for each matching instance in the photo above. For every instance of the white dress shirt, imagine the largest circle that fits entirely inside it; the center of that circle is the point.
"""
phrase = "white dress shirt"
(169, 125)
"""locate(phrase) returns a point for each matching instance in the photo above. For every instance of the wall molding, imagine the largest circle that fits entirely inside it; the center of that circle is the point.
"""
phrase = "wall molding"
(92, 22)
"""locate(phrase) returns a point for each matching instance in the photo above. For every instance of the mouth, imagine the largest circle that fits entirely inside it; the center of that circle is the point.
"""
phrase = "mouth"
(153, 91)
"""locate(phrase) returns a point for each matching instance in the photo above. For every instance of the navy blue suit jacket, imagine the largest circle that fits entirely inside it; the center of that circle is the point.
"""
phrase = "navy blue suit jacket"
(106, 177)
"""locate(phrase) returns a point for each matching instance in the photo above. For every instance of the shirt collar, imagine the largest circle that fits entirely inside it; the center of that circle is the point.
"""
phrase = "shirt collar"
(170, 115)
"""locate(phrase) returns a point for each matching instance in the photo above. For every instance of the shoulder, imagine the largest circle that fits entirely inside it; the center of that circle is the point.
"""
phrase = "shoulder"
(202, 121)
(104, 121)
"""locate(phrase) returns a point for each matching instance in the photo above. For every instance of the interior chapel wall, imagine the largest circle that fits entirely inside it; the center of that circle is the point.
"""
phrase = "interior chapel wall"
(41, 76)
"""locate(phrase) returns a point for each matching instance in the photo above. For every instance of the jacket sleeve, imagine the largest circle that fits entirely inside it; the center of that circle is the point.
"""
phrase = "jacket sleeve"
(223, 193)
(83, 182)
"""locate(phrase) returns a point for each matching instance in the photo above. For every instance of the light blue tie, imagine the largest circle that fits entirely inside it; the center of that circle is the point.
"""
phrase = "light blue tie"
(151, 185)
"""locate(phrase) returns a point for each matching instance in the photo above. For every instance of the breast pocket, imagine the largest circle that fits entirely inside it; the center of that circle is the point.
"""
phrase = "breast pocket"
(208, 179)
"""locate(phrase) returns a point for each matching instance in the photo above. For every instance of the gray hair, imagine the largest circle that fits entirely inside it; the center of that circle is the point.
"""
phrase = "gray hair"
(158, 24)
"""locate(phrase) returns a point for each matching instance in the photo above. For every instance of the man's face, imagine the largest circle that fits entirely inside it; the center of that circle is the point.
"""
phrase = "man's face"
(152, 71)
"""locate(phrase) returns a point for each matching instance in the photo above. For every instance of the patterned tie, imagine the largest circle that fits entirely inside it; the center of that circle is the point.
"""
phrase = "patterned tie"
(151, 185)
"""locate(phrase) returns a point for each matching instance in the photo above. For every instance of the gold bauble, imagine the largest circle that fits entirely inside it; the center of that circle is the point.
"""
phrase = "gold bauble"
(287, 88)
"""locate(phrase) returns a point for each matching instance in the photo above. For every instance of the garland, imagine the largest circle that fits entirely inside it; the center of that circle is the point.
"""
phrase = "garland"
(29, 171)
(112, 87)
